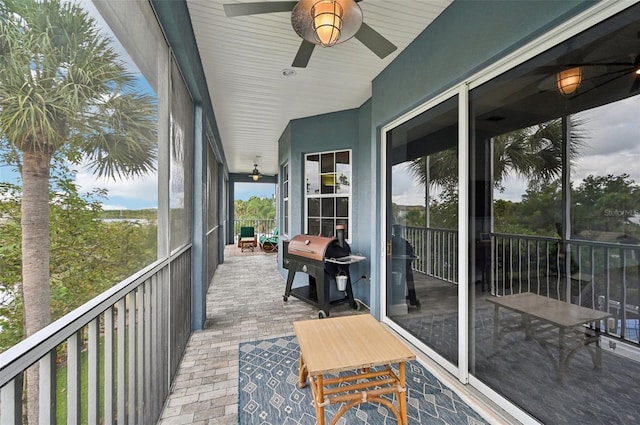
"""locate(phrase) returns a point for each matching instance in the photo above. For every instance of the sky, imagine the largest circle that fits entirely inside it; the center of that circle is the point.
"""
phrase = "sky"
(244, 191)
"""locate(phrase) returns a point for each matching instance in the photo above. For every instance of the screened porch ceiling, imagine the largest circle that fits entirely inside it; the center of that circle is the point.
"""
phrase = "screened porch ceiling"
(244, 58)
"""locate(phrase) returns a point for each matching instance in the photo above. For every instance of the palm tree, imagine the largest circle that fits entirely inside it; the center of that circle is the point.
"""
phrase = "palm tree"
(64, 93)
(533, 152)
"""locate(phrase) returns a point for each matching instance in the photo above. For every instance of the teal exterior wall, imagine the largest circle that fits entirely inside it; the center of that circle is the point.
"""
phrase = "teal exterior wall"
(467, 37)
(348, 129)
(334, 131)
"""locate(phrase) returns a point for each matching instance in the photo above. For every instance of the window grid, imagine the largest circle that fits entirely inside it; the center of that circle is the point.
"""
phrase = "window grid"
(285, 199)
(328, 192)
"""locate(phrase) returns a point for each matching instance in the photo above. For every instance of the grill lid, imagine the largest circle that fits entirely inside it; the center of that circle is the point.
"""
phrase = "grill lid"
(313, 247)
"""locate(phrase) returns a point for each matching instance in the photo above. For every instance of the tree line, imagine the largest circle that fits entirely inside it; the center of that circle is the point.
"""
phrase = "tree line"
(598, 204)
(88, 254)
(255, 208)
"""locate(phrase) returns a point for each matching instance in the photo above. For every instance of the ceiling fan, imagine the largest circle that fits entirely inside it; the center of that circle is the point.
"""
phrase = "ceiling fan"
(597, 74)
(324, 22)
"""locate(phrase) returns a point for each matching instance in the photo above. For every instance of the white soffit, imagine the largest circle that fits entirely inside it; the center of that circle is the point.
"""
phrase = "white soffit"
(244, 57)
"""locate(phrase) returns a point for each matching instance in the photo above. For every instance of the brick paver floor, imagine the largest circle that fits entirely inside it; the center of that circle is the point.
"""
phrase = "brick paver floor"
(244, 303)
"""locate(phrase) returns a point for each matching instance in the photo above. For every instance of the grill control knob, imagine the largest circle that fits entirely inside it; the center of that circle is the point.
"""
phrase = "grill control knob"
(307, 242)
(304, 268)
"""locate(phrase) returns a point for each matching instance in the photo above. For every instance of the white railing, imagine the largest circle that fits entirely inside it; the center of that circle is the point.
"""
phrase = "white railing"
(603, 276)
(436, 249)
(122, 349)
(599, 275)
(261, 226)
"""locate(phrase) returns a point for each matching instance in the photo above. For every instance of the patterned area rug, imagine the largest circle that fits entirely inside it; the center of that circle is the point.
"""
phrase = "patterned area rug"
(269, 394)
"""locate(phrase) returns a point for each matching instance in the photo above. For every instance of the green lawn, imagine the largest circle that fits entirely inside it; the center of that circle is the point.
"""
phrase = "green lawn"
(61, 391)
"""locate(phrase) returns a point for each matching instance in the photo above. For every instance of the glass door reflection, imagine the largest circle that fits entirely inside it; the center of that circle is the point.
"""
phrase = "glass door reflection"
(422, 280)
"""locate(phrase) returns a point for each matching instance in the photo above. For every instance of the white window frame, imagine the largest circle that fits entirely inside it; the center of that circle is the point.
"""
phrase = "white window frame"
(348, 195)
(286, 205)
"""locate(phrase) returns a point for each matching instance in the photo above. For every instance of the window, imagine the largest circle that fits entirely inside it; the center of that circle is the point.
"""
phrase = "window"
(285, 199)
(328, 192)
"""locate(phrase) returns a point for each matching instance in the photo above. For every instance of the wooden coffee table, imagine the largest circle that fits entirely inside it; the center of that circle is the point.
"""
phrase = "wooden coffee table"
(352, 344)
(556, 325)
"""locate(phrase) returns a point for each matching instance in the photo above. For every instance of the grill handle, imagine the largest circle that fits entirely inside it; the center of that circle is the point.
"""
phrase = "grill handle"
(310, 251)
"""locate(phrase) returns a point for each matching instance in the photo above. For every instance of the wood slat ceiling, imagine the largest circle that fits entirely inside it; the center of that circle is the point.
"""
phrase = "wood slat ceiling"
(244, 57)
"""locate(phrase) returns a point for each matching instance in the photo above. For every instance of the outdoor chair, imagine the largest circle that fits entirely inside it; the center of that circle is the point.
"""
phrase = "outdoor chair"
(247, 238)
(269, 242)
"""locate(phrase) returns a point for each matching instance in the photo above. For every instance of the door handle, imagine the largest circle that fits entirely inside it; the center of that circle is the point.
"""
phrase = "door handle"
(389, 249)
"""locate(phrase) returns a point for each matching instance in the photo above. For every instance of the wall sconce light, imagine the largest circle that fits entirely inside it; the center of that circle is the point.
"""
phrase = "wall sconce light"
(569, 80)
(327, 21)
(255, 174)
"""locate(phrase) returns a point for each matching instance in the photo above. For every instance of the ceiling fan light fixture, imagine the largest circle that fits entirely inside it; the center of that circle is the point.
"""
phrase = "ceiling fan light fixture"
(569, 80)
(255, 174)
(327, 21)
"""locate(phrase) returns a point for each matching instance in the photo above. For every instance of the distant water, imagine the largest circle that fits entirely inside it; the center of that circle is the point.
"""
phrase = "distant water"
(125, 220)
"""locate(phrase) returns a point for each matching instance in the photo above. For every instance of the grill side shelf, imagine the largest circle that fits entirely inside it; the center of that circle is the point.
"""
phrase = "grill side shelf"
(349, 259)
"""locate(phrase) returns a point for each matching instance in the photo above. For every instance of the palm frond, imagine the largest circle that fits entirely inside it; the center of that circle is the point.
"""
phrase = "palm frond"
(123, 143)
(64, 88)
(534, 153)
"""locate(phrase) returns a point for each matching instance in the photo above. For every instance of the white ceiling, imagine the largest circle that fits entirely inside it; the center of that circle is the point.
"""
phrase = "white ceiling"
(244, 57)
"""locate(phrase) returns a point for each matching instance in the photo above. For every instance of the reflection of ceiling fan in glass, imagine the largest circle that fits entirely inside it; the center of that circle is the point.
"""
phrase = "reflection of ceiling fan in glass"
(324, 22)
(591, 75)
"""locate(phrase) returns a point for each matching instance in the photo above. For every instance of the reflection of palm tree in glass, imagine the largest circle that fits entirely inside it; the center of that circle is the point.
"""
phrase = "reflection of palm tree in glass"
(64, 94)
(533, 152)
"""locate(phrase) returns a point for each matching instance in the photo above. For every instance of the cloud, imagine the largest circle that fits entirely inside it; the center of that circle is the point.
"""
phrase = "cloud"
(404, 188)
(514, 188)
(602, 165)
(612, 128)
(143, 188)
(613, 140)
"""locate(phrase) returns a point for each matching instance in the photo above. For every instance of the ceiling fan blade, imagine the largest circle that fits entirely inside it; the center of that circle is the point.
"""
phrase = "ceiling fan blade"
(242, 9)
(616, 75)
(304, 54)
(374, 41)
(552, 69)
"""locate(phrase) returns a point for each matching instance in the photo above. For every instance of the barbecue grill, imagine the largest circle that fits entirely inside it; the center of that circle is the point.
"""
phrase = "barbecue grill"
(322, 259)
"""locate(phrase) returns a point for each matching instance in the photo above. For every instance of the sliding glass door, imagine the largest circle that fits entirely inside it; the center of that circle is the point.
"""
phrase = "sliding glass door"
(422, 240)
